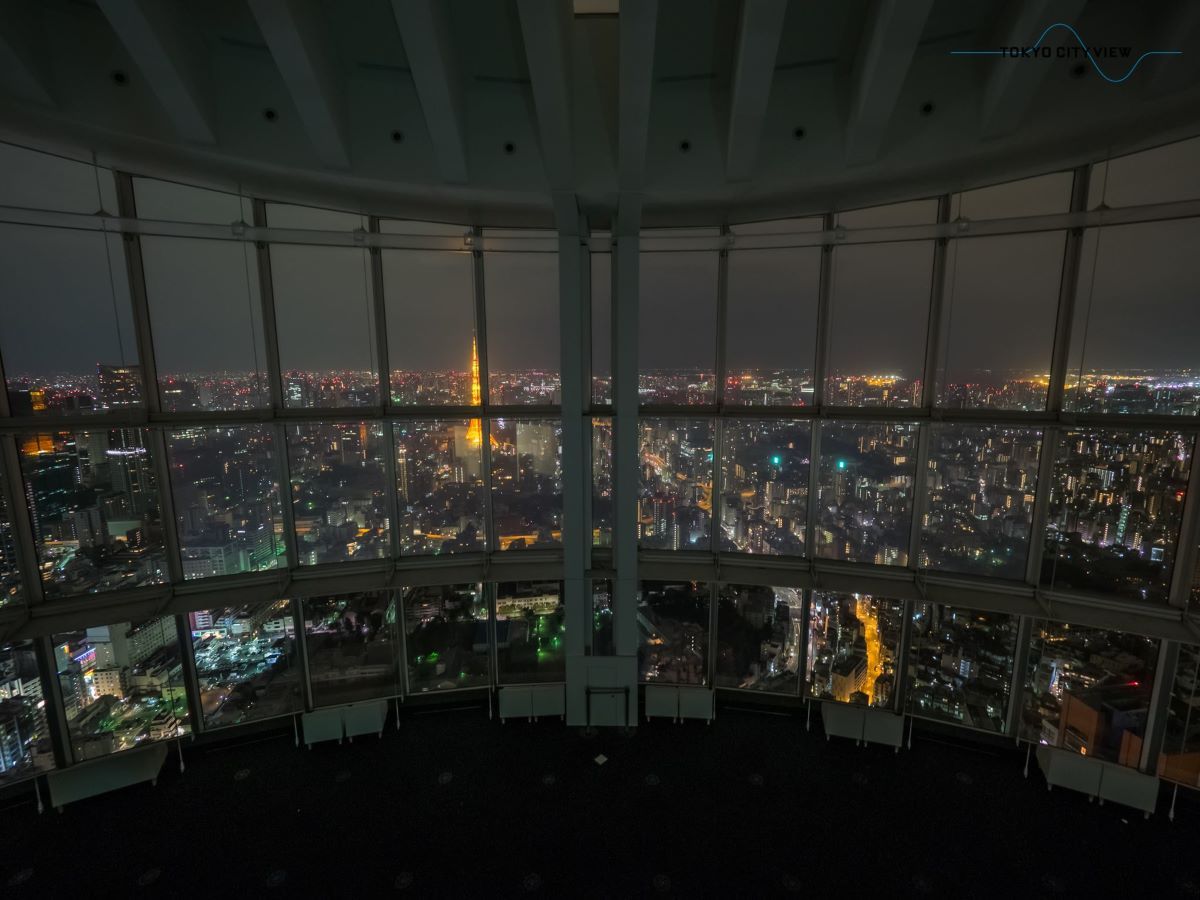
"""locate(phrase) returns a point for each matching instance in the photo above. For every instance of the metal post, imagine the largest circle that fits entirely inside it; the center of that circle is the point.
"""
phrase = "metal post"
(1068, 291)
(1016, 687)
(283, 470)
(900, 697)
(56, 719)
(379, 307)
(266, 294)
(157, 441)
(191, 680)
(937, 294)
(21, 518)
(811, 548)
(1186, 553)
(137, 295)
(1041, 505)
(626, 265)
(714, 599)
(1155, 732)
(824, 315)
(920, 499)
(718, 485)
(302, 650)
(491, 541)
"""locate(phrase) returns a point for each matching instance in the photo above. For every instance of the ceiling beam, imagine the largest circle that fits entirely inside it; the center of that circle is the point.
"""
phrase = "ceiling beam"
(170, 54)
(425, 32)
(23, 57)
(296, 34)
(753, 71)
(1013, 84)
(885, 54)
(545, 28)
(638, 23)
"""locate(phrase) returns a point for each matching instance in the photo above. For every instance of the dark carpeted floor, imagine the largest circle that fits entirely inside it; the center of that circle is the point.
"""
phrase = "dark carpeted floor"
(455, 805)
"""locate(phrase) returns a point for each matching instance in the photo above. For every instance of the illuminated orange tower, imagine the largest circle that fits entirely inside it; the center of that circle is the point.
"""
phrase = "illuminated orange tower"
(475, 429)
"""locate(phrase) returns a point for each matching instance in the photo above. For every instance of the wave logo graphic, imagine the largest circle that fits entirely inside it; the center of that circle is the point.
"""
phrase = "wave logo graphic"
(1093, 54)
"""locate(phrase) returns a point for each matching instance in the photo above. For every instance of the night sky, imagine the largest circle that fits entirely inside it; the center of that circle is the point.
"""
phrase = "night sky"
(58, 307)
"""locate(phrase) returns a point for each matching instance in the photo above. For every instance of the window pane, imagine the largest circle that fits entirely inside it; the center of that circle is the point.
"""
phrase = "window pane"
(530, 643)
(323, 317)
(353, 647)
(447, 637)
(526, 483)
(246, 663)
(998, 322)
(771, 325)
(979, 510)
(864, 500)
(601, 325)
(1158, 175)
(1133, 347)
(521, 291)
(225, 482)
(95, 510)
(87, 362)
(11, 590)
(673, 632)
(1180, 757)
(25, 748)
(852, 645)
(878, 322)
(122, 686)
(430, 302)
(339, 491)
(602, 619)
(765, 504)
(675, 491)
(759, 634)
(1088, 690)
(602, 482)
(909, 212)
(1115, 508)
(36, 180)
(960, 665)
(440, 485)
(677, 327)
(207, 323)
(312, 218)
(173, 202)
(1042, 195)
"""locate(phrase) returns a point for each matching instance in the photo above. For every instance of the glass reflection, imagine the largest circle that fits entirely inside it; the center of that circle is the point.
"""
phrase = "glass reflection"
(530, 644)
(672, 620)
(353, 647)
(760, 632)
(25, 748)
(446, 635)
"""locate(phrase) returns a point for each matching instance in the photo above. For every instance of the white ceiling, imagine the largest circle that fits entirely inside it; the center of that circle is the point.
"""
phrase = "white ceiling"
(513, 110)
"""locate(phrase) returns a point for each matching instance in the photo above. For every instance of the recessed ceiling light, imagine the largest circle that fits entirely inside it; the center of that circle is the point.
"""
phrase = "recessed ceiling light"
(927, 107)
(685, 146)
(398, 136)
(119, 76)
(509, 147)
(798, 133)
(270, 115)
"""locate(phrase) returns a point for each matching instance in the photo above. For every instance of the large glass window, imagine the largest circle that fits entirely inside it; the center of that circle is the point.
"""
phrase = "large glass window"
(339, 490)
(852, 645)
(1180, 757)
(602, 482)
(446, 636)
(760, 633)
(206, 317)
(1041, 195)
(122, 686)
(677, 327)
(530, 639)
(11, 589)
(672, 620)
(1115, 507)
(906, 212)
(94, 501)
(878, 320)
(1161, 174)
(1089, 690)
(771, 325)
(430, 302)
(246, 663)
(765, 486)
(603, 641)
(675, 495)
(36, 180)
(225, 483)
(75, 280)
(353, 647)
(865, 491)
(960, 665)
(25, 748)
(439, 481)
(981, 483)
(526, 483)
(1000, 306)
(521, 291)
(1132, 344)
